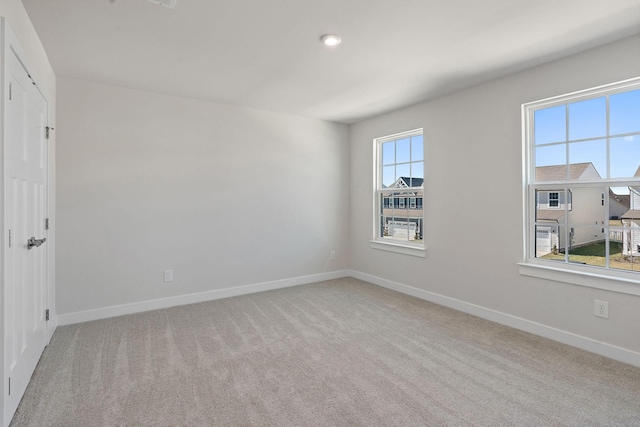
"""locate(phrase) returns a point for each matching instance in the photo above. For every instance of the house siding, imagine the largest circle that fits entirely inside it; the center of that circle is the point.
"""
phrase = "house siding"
(585, 215)
(631, 236)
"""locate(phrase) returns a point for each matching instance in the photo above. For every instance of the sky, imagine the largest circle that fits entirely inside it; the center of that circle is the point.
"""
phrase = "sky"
(402, 157)
(579, 131)
(573, 133)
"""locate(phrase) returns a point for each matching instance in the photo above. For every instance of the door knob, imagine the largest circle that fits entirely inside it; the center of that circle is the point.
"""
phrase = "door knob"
(33, 242)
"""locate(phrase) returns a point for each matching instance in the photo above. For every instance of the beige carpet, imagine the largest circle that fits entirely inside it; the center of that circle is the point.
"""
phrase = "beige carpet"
(336, 353)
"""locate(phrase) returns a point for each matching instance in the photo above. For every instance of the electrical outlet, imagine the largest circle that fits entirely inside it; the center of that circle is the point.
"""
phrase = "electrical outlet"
(332, 255)
(601, 309)
(168, 275)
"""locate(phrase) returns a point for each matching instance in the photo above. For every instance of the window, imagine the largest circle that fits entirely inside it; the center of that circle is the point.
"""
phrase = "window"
(399, 177)
(582, 189)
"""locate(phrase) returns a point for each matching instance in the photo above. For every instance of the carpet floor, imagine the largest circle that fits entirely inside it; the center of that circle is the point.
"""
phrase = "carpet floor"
(335, 353)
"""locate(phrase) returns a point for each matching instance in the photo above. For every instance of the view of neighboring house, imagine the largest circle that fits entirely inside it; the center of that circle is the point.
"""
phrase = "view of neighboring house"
(584, 206)
(402, 211)
(631, 219)
(618, 204)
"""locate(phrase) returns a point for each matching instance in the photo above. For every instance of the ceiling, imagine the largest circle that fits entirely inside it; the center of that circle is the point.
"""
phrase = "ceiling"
(266, 54)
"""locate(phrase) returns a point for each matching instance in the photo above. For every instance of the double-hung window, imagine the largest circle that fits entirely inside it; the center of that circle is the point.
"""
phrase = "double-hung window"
(582, 182)
(399, 178)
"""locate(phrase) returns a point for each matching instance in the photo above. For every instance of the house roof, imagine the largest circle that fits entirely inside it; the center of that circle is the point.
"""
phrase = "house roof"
(549, 214)
(405, 181)
(559, 172)
(631, 214)
(623, 199)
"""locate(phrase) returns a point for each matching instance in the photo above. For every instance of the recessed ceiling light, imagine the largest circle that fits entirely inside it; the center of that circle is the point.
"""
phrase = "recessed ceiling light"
(331, 39)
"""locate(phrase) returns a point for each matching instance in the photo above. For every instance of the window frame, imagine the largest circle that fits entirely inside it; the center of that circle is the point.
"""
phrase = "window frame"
(582, 275)
(378, 242)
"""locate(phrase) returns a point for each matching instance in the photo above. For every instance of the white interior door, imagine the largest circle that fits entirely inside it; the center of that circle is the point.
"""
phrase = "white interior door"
(25, 185)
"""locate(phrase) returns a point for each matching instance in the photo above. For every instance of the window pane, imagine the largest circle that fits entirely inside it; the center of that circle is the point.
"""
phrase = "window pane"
(549, 242)
(624, 115)
(618, 205)
(382, 230)
(550, 125)
(618, 257)
(551, 206)
(586, 206)
(417, 171)
(593, 152)
(625, 157)
(403, 171)
(403, 150)
(386, 204)
(625, 255)
(632, 247)
(587, 246)
(552, 155)
(616, 233)
(389, 153)
(388, 176)
(398, 228)
(588, 119)
(403, 222)
(417, 148)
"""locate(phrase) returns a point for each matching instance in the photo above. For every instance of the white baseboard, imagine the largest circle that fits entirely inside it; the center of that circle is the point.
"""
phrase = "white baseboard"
(138, 307)
(584, 343)
(52, 324)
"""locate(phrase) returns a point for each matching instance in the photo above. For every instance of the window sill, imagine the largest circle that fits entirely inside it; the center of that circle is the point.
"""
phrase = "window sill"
(399, 248)
(589, 279)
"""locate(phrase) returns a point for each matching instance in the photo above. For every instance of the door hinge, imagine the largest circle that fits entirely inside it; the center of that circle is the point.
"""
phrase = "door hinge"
(46, 223)
(46, 315)
(9, 386)
(9, 91)
(9, 238)
(47, 130)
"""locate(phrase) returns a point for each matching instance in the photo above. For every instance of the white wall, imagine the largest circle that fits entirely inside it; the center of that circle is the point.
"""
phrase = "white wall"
(224, 196)
(473, 144)
(40, 69)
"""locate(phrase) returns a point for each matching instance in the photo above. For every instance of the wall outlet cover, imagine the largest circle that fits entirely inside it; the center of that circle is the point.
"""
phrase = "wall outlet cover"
(601, 309)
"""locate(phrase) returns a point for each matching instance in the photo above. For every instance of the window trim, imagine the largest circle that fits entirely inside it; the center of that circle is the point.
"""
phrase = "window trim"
(583, 275)
(396, 246)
